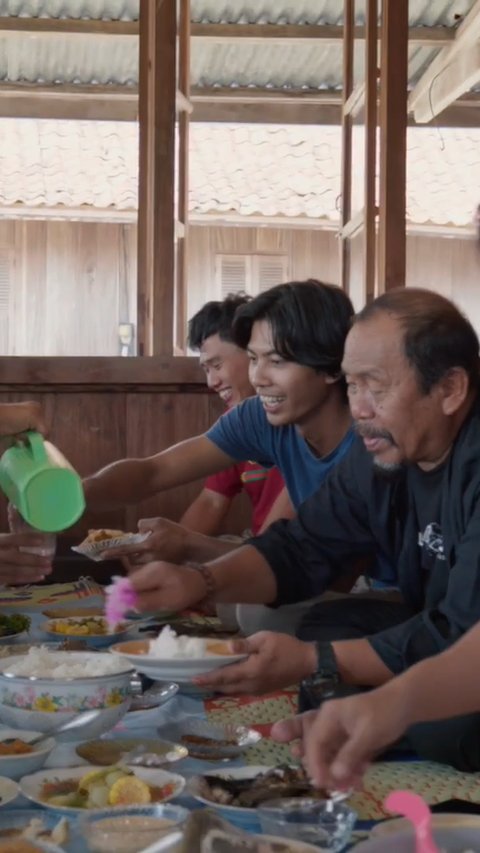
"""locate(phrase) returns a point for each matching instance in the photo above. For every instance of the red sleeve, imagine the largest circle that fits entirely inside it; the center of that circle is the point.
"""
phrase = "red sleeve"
(227, 482)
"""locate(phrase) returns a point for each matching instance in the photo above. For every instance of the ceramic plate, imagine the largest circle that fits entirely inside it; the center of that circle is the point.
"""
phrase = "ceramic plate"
(31, 786)
(9, 791)
(237, 815)
(20, 818)
(175, 669)
(106, 752)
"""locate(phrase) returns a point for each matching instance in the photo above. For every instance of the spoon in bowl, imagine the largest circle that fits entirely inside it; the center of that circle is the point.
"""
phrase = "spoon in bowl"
(74, 723)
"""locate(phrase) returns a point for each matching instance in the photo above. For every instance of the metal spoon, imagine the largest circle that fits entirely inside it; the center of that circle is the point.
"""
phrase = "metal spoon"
(75, 723)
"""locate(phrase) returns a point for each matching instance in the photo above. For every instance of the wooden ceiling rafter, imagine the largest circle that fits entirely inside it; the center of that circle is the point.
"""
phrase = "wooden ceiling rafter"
(263, 106)
(436, 36)
(455, 70)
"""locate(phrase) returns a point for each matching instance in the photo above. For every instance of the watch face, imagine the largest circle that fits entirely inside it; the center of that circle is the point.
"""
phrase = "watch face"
(315, 690)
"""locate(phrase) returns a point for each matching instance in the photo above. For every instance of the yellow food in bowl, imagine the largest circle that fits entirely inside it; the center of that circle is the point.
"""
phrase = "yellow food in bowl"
(88, 627)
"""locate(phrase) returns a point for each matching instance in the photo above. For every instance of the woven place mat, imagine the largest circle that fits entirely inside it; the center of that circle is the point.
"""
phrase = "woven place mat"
(83, 591)
(259, 712)
(435, 782)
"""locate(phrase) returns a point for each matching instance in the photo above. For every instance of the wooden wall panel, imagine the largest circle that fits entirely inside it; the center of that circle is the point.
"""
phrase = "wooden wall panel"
(94, 429)
(154, 422)
(315, 254)
(73, 283)
(466, 278)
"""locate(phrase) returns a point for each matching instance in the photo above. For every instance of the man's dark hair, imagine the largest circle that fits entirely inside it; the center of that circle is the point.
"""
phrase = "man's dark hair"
(437, 336)
(215, 318)
(309, 322)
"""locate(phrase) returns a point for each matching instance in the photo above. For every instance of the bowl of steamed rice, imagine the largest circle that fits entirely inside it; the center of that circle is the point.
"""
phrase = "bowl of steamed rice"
(180, 659)
(42, 689)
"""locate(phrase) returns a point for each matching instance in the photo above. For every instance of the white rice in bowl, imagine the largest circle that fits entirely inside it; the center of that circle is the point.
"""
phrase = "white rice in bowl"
(168, 645)
(41, 663)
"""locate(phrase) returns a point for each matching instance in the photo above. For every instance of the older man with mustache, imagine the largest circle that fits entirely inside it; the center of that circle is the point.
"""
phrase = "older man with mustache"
(409, 488)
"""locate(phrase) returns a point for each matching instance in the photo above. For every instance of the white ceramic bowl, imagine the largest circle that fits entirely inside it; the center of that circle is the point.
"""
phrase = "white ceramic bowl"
(9, 791)
(41, 704)
(16, 766)
(180, 670)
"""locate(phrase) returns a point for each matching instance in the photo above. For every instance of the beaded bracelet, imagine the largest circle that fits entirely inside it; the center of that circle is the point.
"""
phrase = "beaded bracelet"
(209, 580)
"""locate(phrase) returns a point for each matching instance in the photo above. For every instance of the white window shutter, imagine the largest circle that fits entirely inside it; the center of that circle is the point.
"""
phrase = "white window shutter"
(271, 270)
(232, 274)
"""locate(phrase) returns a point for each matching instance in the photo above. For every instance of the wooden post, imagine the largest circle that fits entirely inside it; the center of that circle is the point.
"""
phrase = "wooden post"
(183, 156)
(156, 214)
(348, 50)
(370, 178)
(393, 145)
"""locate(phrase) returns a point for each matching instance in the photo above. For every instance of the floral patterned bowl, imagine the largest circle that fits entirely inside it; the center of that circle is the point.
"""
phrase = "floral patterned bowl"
(41, 703)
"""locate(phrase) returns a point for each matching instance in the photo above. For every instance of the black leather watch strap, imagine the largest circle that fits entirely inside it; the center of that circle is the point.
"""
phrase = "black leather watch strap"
(326, 661)
(323, 682)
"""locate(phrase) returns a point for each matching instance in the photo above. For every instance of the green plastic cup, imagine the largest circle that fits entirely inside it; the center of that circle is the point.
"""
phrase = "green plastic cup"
(48, 495)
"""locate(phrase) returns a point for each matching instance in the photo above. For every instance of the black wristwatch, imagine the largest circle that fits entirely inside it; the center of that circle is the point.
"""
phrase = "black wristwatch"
(322, 684)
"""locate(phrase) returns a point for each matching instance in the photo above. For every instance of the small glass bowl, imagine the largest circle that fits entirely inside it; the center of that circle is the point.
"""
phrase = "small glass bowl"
(326, 824)
(210, 741)
(121, 830)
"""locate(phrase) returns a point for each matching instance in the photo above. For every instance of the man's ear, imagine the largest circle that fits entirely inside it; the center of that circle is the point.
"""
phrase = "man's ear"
(454, 387)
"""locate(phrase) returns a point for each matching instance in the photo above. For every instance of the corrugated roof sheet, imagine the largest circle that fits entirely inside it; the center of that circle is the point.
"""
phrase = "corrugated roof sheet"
(426, 12)
(110, 10)
(90, 59)
(266, 170)
(305, 65)
(83, 59)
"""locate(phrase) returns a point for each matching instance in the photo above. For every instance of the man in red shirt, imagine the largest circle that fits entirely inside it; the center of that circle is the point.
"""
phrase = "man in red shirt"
(226, 371)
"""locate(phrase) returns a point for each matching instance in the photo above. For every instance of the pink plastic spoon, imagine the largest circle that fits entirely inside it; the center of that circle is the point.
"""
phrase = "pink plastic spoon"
(415, 809)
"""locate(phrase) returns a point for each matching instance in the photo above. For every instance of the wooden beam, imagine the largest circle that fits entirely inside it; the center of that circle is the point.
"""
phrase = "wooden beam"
(435, 36)
(446, 69)
(370, 153)
(120, 103)
(97, 371)
(95, 103)
(356, 101)
(284, 33)
(393, 145)
(64, 26)
(181, 284)
(156, 213)
(459, 76)
(346, 154)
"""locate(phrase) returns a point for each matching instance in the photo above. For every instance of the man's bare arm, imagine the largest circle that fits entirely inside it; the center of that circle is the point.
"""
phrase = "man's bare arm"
(206, 513)
(359, 664)
(281, 508)
(133, 480)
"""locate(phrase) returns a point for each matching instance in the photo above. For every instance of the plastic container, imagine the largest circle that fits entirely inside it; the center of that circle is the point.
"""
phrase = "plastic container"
(318, 822)
(41, 484)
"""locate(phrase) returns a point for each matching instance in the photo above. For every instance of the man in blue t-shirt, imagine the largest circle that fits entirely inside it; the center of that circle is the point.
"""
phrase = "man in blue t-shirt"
(299, 421)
